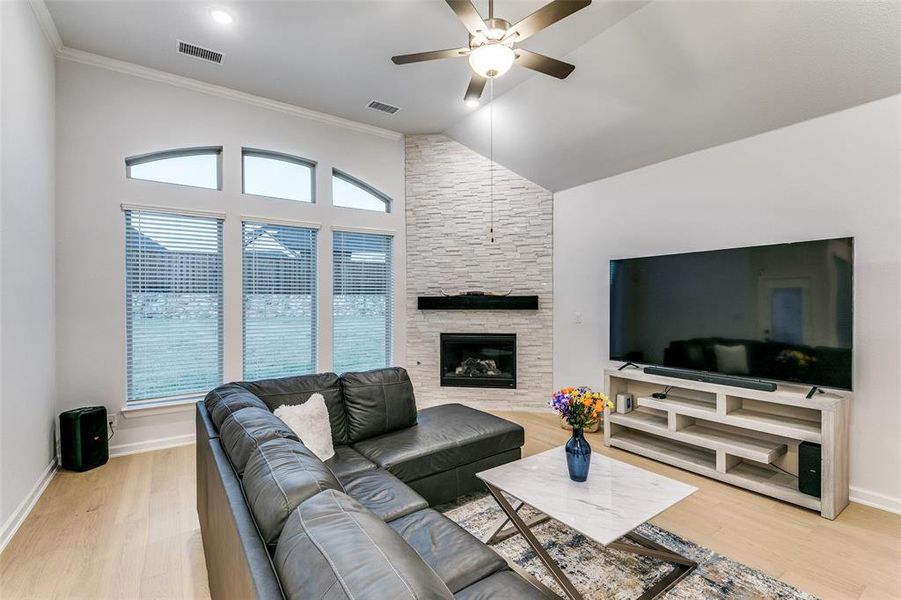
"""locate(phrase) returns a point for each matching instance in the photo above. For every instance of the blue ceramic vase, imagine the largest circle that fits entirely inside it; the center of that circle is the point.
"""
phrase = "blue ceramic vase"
(578, 456)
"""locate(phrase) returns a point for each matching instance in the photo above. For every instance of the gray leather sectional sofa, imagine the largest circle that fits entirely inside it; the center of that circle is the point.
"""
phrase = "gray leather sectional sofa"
(277, 522)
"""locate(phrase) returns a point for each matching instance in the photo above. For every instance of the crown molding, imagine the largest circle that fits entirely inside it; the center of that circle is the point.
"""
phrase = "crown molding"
(45, 20)
(120, 66)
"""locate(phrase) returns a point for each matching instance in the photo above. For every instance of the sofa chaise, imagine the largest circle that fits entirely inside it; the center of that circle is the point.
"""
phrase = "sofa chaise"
(277, 522)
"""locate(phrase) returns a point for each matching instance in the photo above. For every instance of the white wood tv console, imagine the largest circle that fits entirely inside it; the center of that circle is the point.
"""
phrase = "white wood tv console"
(743, 437)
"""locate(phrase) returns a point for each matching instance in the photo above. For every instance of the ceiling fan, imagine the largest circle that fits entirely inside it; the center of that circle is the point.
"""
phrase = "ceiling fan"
(492, 46)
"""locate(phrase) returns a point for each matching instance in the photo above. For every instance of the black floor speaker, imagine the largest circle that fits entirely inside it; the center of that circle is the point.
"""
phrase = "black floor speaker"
(83, 442)
(809, 468)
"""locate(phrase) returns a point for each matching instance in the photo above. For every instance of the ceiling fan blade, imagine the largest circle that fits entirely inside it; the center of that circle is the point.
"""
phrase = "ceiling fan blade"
(476, 86)
(545, 16)
(543, 64)
(404, 59)
(468, 14)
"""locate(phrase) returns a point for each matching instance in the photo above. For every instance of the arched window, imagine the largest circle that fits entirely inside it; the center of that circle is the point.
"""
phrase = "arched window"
(350, 192)
(197, 167)
(277, 175)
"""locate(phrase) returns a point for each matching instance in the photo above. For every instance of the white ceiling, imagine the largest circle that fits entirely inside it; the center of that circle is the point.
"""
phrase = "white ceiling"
(329, 55)
(678, 77)
(653, 80)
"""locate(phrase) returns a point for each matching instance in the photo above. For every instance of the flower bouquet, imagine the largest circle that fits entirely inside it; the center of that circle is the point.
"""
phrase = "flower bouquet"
(581, 408)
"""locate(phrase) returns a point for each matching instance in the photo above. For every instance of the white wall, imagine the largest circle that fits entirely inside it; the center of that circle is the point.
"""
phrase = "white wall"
(837, 175)
(27, 326)
(105, 116)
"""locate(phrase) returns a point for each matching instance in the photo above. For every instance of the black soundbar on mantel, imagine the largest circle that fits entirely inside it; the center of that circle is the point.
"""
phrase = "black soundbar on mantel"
(477, 302)
(734, 381)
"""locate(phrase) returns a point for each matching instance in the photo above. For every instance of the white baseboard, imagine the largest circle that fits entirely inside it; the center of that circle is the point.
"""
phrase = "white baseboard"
(876, 500)
(16, 519)
(151, 445)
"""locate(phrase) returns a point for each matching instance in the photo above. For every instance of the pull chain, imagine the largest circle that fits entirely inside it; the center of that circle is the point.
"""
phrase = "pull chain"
(491, 153)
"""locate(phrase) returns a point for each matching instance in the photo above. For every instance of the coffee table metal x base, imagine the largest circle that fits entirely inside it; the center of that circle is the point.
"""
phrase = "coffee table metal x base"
(500, 531)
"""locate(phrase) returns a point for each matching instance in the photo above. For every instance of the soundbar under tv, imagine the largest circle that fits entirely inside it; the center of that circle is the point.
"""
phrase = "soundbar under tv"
(756, 315)
(742, 382)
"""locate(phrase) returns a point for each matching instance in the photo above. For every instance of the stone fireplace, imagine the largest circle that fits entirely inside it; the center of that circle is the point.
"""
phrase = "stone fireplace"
(450, 251)
(483, 360)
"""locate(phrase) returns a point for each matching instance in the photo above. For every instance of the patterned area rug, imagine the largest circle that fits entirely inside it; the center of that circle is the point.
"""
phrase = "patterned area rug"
(612, 575)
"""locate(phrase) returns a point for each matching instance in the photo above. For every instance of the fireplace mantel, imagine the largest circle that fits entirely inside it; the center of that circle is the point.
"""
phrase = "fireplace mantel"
(477, 302)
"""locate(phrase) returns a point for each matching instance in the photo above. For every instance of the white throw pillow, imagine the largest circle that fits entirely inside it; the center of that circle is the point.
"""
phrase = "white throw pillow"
(731, 359)
(310, 422)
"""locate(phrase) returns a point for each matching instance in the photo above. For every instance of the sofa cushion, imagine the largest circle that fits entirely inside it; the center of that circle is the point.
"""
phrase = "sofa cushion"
(445, 437)
(503, 585)
(378, 402)
(280, 474)
(348, 461)
(331, 547)
(458, 557)
(246, 429)
(297, 390)
(229, 398)
(380, 492)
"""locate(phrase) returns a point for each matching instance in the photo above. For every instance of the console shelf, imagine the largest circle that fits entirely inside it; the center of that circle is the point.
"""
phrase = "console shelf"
(775, 424)
(742, 437)
(759, 479)
(743, 445)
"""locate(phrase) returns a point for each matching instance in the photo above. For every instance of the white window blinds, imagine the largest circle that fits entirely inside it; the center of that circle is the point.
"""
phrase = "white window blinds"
(279, 301)
(173, 266)
(363, 301)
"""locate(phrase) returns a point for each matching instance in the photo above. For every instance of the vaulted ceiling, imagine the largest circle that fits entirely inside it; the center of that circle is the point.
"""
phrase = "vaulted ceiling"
(677, 77)
(653, 80)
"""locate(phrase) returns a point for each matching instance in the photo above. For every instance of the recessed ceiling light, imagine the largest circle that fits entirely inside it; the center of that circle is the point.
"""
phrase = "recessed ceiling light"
(220, 16)
(472, 103)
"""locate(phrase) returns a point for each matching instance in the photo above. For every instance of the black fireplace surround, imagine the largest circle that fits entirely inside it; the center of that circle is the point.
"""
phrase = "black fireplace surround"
(485, 360)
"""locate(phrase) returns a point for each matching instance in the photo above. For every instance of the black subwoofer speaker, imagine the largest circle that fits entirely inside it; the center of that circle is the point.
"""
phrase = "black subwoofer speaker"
(809, 468)
(82, 438)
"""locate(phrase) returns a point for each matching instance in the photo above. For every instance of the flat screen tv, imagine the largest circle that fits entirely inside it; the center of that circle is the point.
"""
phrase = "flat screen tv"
(781, 312)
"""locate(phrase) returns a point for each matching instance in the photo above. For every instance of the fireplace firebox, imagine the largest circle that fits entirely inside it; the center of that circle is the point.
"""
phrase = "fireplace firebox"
(486, 360)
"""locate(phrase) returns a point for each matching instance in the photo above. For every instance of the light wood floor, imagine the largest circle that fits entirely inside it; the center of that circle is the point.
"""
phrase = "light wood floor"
(129, 530)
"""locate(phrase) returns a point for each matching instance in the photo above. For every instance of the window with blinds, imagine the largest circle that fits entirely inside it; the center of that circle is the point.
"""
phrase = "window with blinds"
(173, 279)
(279, 301)
(363, 301)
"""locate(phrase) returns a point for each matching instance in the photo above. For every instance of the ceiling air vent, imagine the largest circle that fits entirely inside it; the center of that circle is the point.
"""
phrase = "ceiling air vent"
(382, 107)
(200, 52)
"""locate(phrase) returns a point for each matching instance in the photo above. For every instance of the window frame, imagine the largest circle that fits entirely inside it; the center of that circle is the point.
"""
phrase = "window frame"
(187, 396)
(391, 297)
(316, 306)
(149, 157)
(289, 158)
(365, 187)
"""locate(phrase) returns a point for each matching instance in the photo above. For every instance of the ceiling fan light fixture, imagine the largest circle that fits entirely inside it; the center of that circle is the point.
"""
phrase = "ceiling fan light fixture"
(491, 59)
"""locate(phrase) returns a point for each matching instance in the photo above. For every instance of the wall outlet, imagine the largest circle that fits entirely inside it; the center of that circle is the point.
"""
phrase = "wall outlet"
(578, 316)
(113, 421)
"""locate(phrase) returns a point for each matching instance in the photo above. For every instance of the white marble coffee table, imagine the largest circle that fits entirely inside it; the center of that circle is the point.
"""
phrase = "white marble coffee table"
(615, 499)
